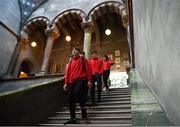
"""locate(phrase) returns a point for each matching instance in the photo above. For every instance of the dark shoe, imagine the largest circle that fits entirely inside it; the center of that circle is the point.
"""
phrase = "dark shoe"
(71, 122)
(84, 113)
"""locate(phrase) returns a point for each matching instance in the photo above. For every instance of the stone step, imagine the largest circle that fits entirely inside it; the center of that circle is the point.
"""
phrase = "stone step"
(109, 103)
(115, 102)
(116, 99)
(112, 94)
(116, 96)
(113, 111)
(125, 116)
(120, 89)
(110, 107)
(117, 91)
(93, 115)
(94, 121)
(88, 125)
(98, 112)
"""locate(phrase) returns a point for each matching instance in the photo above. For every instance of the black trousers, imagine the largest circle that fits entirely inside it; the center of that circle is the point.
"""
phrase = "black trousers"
(105, 78)
(96, 78)
(77, 93)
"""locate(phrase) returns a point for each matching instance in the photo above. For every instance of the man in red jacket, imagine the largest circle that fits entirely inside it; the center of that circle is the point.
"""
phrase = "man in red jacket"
(77, 78)
(96, 65)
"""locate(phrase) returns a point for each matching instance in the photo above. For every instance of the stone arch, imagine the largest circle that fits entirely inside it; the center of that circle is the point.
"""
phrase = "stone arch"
(26, 66)
(39, 21)
(72, 18)
(118, 7)
(67, 16)
(77, 12)
(67, 22)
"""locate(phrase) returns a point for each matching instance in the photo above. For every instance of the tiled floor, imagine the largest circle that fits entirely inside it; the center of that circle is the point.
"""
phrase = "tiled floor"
(145, 108)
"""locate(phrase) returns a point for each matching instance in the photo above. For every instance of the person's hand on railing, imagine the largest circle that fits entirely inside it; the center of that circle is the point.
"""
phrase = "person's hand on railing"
(65, 87)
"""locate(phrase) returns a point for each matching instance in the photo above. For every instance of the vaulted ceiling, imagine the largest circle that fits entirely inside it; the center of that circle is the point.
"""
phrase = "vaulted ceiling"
(27, 7)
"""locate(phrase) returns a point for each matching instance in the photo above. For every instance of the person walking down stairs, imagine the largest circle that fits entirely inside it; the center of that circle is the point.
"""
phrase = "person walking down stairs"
(96, 65)
(106, 70)
(77, 78)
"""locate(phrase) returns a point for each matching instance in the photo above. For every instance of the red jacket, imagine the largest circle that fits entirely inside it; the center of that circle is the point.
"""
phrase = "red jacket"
(107, 65)
(77, 69)
(96, 65)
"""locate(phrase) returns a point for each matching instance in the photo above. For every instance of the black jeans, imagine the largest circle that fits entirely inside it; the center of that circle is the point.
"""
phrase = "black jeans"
(77, 93)
(96, 78)
(105, 78)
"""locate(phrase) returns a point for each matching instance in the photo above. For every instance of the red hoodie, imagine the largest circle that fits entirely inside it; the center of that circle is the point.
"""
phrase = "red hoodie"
(96, 66)
(77, 69)
(107, 65)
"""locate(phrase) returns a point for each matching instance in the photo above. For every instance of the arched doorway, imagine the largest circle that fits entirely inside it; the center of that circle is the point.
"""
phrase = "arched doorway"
(25, 69)
(110, 16)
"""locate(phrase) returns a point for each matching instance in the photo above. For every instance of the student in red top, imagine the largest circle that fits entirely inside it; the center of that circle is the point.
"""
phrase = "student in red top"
(76, 80)
(96, 65)
(106, 67)
(82, 54)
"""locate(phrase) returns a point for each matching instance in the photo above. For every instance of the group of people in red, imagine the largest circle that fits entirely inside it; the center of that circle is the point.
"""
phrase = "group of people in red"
(81, 76)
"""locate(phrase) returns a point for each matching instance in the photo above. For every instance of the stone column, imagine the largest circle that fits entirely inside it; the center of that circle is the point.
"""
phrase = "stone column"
(52, 34)
(21, 41)
(88, 29)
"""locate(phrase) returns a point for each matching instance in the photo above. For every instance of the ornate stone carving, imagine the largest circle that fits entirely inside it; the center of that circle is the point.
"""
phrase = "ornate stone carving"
(52, 32)
(125, 21)
(23, 38)
(87, 26)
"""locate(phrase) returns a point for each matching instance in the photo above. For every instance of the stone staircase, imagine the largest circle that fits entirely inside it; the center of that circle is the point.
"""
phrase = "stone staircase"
(113, 111)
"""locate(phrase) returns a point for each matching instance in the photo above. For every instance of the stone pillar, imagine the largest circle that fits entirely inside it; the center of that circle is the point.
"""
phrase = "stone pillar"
(88, 29)
(21, 40)
(129, 43)
(52, 34)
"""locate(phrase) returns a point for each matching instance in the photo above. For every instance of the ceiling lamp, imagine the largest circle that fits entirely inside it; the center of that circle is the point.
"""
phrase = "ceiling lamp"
(33, 44)
(108, 32)
(68, 38)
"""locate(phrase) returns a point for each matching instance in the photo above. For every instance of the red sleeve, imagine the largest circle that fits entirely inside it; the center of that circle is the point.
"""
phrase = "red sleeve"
(88, 70)
(102, 67)
(67, 74)
(110, 63)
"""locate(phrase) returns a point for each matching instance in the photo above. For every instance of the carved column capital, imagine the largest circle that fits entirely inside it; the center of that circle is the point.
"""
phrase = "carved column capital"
(23, 38)
(125, 21)
(52, 32)
(87, 26)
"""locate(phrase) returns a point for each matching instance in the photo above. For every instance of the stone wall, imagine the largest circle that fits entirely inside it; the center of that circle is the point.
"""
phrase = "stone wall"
(9, 26)
(157, 52)
(33, 103)
(7, 45)
(10, 14)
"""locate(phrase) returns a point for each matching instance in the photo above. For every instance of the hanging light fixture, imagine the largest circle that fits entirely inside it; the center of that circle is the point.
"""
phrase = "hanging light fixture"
(108, 32)
(33, 44)
(68, 38)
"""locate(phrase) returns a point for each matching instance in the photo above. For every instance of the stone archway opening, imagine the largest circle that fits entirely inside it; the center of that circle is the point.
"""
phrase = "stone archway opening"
(112, 17)
(69, 25)
(26, 69)
(33, 41)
